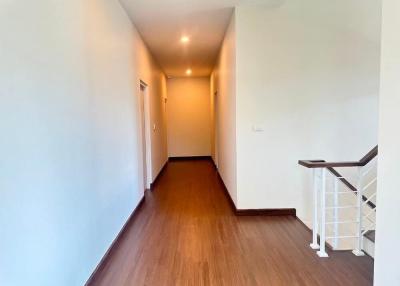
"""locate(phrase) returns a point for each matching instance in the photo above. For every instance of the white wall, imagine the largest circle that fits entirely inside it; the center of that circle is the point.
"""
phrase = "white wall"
(213, 122)
(308, 74)
(148, 71)
(189, 116)
(387, 252)
(69, 144)
(224, 83)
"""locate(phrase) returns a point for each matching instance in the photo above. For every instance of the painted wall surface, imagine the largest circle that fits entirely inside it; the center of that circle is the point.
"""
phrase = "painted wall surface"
(388, 214)
(213, 122)
(223, 81)
(69, 146)
(189, 117)
(308, 77)
(147, 70)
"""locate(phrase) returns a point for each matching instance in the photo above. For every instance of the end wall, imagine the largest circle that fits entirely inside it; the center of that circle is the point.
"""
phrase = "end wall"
(189, 116)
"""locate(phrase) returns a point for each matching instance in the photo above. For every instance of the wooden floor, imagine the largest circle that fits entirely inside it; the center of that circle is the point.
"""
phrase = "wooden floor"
(187, 234)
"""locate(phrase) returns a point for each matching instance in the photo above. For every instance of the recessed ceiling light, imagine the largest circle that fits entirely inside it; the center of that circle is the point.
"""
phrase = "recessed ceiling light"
(188, 71)
(185, 39)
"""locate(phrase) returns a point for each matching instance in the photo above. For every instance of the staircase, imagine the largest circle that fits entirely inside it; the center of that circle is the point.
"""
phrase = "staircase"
(369, 243)
(344, 215)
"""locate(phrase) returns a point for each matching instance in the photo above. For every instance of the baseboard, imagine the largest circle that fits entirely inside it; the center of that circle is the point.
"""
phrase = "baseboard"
(159, 175)
(214, 164)
(189, 158)
(114, 245)
(255, 212)
(266, 212)
(228, 196)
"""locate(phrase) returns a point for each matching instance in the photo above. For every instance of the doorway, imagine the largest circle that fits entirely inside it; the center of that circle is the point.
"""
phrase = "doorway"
(146, 135)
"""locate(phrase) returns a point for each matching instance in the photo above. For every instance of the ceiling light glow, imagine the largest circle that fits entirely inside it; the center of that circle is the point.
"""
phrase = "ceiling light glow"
(185, 39)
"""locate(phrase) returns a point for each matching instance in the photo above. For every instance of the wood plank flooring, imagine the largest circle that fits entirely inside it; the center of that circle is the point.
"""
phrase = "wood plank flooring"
(187, 234)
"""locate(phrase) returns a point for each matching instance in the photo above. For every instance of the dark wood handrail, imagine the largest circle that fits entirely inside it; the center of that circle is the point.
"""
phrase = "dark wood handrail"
(329, 166)
(370, 156)
(323, 164)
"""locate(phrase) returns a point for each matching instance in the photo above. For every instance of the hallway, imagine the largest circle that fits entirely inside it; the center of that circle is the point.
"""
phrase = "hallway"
(186, 234)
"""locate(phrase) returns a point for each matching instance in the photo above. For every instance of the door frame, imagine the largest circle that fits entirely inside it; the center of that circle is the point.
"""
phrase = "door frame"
(146, 133)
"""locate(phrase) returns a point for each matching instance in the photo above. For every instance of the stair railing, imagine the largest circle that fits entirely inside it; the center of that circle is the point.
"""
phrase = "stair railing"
(367, 223)
(321, 172)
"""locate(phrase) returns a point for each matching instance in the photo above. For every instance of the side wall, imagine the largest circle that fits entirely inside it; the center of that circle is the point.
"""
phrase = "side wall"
(224, 84)
(189, 116)
(147, 70)
(70, 148)
(213, 122)
(387, 251)
(307, 87)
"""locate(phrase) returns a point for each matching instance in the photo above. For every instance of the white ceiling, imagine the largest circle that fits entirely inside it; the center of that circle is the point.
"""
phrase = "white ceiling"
(162, 23)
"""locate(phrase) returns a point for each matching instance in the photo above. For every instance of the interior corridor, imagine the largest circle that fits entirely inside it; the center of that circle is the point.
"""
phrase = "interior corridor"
(187, 234)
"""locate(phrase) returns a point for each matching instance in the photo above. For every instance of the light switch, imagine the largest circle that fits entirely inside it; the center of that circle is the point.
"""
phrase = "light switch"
(258, 128)
(154, 127)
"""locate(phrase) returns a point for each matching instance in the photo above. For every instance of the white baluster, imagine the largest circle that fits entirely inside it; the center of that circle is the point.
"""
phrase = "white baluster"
(359, 244)
(314, 244)
(322, 252)
(335, 212)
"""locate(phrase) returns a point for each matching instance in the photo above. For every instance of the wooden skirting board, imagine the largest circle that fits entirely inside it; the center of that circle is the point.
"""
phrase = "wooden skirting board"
(158, 176)
(255, 212)
(189, 158)
(115, 244)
